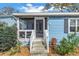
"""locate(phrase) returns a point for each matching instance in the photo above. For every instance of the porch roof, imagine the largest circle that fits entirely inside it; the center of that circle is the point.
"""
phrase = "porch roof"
(45, 14)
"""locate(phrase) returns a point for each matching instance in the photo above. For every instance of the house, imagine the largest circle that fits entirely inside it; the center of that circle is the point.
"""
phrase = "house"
(34, 27)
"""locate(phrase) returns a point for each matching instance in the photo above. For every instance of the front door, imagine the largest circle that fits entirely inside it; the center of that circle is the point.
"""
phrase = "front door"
(39, 27)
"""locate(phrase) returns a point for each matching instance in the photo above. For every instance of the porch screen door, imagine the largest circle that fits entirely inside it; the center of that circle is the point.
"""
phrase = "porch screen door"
(39, 27)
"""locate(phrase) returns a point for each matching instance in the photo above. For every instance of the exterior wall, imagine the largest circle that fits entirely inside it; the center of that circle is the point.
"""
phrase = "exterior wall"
(56, 28)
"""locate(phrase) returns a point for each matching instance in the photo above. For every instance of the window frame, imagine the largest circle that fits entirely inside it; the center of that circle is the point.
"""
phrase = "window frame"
(25, 33)
(76, 25)
(26, 19)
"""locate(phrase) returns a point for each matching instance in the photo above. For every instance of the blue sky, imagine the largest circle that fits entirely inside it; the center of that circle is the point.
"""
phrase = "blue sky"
(19, 4)
(25, 7)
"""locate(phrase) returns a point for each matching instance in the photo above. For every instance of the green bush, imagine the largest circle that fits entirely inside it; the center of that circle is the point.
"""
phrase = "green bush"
(68, 44)
(7, 38)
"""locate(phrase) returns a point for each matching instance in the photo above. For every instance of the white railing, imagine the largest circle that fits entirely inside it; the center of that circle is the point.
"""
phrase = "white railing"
(31, 39)
(25, 39)
(46, 39)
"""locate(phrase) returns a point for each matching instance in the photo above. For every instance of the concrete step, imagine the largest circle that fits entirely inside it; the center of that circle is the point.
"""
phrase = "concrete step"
(38, 40)
(38, 48)
(36, 45)
(39, 52)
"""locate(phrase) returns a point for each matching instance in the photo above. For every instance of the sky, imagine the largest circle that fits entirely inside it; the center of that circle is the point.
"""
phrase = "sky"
(29, 7)
(25, 7)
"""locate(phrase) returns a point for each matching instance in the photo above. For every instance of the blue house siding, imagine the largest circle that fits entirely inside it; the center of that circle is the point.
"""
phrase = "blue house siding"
(56, 28)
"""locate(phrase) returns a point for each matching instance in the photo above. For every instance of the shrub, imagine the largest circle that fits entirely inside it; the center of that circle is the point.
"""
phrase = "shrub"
(68, 44)
(7, 38)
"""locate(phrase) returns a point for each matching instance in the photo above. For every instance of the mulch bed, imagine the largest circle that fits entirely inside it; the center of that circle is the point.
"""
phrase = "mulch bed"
(24, 51)
(53, 53)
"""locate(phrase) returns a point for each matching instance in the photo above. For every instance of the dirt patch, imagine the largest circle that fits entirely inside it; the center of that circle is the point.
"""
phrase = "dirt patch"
(24, 51)
(53, 53)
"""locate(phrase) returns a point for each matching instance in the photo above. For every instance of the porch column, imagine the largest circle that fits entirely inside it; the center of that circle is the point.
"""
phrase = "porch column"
(47, 35)
(34, 27)
(17, 28)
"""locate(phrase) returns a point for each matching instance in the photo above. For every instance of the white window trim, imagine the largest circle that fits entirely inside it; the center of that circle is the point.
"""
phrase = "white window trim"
(69, 25)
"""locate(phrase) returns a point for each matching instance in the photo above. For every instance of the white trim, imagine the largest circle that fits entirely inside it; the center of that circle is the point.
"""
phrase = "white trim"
(25, 30)
(35, 25)
(39, 18)
(68, 25)
(46, 14)
(25, 34)
(48, 35)
(75, 25)
(43, 27)
(17, 28)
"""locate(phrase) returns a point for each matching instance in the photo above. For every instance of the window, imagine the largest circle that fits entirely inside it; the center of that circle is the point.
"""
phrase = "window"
(25, 34)
(46, 23)
(26, 23)
(74, 25)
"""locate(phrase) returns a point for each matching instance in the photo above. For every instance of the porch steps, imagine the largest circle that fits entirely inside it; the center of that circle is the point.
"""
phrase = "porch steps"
(38, 48)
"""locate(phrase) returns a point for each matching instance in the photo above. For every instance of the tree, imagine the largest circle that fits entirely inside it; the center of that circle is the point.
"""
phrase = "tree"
(75, 7)
(60, 6)
(7, 10)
